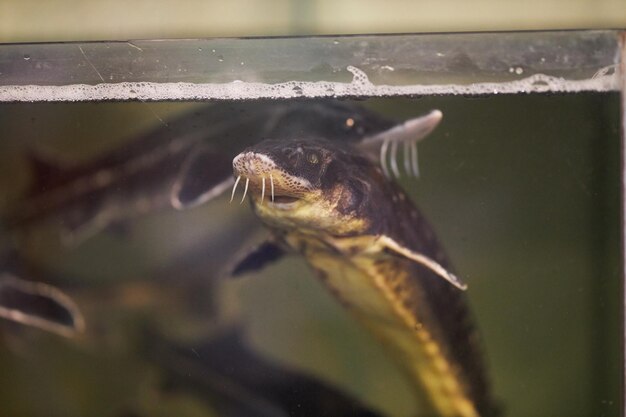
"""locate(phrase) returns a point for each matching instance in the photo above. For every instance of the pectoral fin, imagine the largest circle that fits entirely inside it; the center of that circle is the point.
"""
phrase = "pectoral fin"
(260, 256)
(39, 305)
(390, 244)
(204, 175)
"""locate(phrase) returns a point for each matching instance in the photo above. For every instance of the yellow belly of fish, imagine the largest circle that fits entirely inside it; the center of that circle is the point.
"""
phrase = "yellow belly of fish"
(382, 304)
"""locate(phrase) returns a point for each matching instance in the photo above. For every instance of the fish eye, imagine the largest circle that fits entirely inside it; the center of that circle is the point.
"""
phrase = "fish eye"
(313, 158)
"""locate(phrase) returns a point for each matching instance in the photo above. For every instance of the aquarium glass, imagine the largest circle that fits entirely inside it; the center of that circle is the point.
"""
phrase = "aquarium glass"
(522, 182)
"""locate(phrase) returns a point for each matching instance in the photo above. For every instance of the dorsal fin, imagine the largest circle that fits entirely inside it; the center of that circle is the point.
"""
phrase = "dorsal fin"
(383, 146)
(205, 174)
(39, 305)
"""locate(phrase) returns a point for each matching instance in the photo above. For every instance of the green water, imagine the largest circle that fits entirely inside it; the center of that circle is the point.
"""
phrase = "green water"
(522, 190)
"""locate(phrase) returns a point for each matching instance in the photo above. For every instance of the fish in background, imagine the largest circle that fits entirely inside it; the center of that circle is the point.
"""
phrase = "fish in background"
(145, 175)
(185, 162)
(181, 164)
(238, 382)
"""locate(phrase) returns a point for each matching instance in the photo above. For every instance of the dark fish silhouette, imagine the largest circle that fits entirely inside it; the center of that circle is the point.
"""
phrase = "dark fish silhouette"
(184, 163)
(238, 382)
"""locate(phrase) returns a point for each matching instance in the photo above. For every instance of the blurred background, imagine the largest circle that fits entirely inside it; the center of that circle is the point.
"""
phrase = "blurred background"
(58, 20)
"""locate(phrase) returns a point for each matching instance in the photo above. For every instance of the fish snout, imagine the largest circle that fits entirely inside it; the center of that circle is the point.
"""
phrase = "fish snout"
(252, 165)
(254, 168)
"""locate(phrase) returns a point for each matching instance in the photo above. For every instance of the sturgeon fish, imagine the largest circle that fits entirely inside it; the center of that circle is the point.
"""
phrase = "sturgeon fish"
(335, 204)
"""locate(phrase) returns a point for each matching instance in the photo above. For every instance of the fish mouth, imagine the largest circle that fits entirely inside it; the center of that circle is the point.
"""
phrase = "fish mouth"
(266, 189)
(284, 199)
(262, 176)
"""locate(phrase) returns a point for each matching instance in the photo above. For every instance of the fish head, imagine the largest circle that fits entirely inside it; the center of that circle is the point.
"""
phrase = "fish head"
(311, 184)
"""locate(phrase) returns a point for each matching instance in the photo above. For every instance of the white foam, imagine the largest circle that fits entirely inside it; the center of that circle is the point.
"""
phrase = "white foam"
(360, 86)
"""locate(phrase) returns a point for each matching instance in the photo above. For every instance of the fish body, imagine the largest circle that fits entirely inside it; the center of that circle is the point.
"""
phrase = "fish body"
(375, 252)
